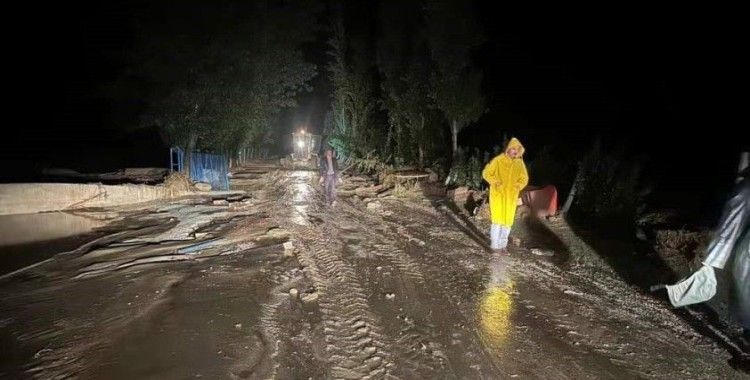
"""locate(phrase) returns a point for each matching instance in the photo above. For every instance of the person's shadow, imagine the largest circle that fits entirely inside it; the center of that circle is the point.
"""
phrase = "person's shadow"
(461, 221)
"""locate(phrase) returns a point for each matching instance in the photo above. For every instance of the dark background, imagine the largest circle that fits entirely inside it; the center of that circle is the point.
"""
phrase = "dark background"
(655, 82)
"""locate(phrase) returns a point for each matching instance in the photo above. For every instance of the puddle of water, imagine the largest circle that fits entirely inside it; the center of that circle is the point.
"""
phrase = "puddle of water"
(29, 228)
(302, 194)
(300, 215)
(29, 238)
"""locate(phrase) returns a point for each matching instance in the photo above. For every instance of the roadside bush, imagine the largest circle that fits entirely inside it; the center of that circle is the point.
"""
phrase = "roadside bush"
(608, 189)
(467, 170)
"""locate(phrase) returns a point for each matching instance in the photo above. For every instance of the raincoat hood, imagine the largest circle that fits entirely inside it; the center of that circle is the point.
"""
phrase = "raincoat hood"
(515, 143)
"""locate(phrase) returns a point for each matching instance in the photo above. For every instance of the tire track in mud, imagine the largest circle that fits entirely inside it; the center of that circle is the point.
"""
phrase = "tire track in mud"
(384, 246)
(284, 213)
(432, 262)
(406, 318)
(270, 326)
(456, 293)
(355, 343)
(416, 343)
(414, 332)
(402, 262)
(354, 339)
(426, 268)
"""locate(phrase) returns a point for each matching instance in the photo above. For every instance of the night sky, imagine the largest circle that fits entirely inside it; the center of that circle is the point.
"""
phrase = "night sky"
(644, 79)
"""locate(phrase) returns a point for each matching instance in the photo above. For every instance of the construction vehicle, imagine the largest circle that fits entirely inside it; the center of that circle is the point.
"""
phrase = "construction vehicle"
(305, 149)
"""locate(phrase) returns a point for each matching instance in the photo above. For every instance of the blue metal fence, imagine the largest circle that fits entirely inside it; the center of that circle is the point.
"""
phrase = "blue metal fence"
(204, 167)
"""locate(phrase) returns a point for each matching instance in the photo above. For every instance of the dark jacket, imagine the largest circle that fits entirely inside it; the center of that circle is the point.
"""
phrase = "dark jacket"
(323, 165)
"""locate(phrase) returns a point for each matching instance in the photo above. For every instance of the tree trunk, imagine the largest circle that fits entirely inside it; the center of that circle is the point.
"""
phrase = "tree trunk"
(187, 157)
(399, 140)
(454, 136)
(573, 190)
(420, 144)
(421, 156)
(389, 140)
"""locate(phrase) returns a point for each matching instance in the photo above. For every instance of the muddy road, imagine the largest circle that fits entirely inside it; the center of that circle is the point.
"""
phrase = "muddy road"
(280, 286)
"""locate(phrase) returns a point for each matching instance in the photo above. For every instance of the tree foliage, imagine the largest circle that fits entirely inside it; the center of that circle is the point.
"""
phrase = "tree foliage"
(218, 81)
(425, 81)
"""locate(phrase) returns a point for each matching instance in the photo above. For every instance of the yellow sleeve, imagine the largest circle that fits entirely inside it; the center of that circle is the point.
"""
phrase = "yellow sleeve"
(488, 173)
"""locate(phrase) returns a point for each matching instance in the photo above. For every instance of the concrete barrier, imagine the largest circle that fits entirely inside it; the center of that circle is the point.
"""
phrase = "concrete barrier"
(27, 198)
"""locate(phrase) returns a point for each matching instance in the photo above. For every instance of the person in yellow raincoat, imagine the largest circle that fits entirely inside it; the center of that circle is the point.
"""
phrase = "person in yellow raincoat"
(506, 175)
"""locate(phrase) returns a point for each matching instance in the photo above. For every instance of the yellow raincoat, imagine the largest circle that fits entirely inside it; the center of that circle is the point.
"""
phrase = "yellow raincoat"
(506, 176)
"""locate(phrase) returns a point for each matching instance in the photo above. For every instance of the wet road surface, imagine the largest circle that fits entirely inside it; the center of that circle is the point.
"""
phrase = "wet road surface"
(295, 289)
